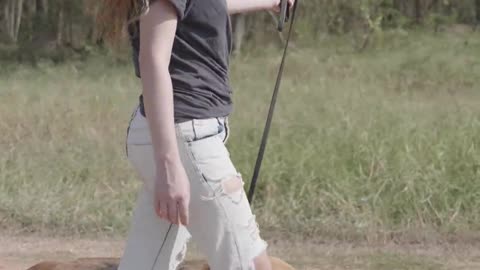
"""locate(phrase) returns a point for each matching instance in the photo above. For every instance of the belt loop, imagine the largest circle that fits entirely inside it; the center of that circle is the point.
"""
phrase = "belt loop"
(220, 124)
(195, 137)
(142, 106)
(132, 117)
(227, 129)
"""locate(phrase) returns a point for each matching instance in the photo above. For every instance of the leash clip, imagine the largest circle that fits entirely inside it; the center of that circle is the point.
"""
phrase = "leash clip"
(284, 17)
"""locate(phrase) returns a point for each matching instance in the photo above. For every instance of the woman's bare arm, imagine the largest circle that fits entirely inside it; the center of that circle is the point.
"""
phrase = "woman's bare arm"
(157, 33)
(240, 6)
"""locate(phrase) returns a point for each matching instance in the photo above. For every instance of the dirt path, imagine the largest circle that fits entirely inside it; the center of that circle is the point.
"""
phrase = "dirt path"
(20, 252)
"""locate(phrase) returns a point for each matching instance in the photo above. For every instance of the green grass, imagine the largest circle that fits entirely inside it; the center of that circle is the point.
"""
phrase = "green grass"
(381, 261)
(362, 145)
(400, 262)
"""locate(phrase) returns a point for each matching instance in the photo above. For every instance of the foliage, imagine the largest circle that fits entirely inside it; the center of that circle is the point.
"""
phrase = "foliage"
(45, 25)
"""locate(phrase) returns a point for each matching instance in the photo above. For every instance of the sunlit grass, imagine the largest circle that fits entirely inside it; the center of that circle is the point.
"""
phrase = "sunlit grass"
(362, 144)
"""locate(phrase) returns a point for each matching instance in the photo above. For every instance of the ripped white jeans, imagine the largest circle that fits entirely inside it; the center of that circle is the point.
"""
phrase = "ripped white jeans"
(221, 221)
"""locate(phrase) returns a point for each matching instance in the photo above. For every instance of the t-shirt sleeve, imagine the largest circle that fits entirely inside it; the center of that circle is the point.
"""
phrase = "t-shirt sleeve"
(180, 6)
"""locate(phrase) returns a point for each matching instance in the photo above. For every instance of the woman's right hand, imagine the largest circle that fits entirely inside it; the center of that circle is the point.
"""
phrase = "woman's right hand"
(172, 192)
(277, 3)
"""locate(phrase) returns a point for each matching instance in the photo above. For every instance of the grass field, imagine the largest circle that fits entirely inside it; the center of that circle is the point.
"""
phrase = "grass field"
(378, 146)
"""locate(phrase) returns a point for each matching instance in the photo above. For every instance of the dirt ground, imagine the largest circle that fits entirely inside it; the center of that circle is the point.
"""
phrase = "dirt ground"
(20, 252)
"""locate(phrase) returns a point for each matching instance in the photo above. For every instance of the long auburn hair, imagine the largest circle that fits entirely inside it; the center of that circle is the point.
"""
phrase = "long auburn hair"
(114, 16)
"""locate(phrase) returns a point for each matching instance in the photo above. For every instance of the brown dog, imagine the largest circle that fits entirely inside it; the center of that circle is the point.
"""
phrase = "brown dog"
(112, 264)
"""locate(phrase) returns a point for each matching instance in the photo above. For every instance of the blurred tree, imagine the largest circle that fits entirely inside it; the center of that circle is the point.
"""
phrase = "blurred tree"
(12, 17)
(71, 23)
(238, 26)
(477, 12)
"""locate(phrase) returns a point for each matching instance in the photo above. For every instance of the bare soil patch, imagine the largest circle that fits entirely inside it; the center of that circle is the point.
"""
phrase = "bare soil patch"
(20, 252)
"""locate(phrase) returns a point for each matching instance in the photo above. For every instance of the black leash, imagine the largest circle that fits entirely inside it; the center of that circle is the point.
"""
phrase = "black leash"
(284, 17)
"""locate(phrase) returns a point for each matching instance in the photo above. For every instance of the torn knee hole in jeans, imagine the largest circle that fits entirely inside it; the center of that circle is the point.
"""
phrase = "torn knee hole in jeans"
(253, 228)
(179, 258)
(230, 187)
(182, 254)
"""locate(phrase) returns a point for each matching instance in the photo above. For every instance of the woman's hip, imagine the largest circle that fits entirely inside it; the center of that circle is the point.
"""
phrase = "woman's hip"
(138, 132)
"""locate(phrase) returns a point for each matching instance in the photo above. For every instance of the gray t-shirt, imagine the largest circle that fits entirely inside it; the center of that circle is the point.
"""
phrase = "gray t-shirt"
(200, 59)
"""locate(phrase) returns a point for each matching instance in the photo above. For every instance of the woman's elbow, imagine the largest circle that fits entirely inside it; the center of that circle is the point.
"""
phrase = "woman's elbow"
(153, 63)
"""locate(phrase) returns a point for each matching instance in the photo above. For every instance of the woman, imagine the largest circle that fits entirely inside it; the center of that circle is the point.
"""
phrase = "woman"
(176, 137)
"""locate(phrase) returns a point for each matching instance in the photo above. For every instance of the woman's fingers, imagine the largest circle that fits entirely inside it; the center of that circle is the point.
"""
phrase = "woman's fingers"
(183, 211)
(168, 211)
(173, 212)
(162, 210)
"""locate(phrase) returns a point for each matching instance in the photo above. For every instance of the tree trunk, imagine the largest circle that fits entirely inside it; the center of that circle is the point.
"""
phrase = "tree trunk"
(13, 11)
(401, 6)
(60, 26)
(70, 28)
(45, 7)
(8, 14)
(18, 19)
(418, 11)
(477, 11)
(239, 24)
(94, 36)
(433, 5)
(42, 8)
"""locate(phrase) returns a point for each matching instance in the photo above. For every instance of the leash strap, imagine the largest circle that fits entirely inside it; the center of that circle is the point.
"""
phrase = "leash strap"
(273, 102)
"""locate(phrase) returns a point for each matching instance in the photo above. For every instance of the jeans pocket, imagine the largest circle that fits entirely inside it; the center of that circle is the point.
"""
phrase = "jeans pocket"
(200, 129)
(212, 158)
(132, 117)
(138, 132)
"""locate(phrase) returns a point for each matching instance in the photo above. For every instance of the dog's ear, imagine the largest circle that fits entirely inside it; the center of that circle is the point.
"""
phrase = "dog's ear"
(80, 264)
(95, 264)
(44, 266)
(194, 265)
(278, 264)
